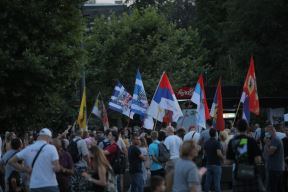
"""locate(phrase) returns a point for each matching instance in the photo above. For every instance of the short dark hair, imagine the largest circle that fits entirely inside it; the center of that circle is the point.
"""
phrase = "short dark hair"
(209, 122)
(242, 125)
(212, 132)
(115, 134)
(161, 136)
(156, 181)
(16, 143)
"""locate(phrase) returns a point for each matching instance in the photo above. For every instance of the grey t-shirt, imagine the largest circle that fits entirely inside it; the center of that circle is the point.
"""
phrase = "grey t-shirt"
(8, 168)
(275, 161)
(186, 175)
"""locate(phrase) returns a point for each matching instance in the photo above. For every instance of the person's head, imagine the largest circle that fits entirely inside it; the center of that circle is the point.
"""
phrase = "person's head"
(135, 140)
(181, 132)
(85, 134)
(209, 122)
(212, 133)
(189, 149)
(242, 126)
(270, 131)
(16, 144)
(98, 157)
(154, 135)
(170, 130)
(223, 135)
(57, 143)
(143, 142)
(192, 128)
(79, 132)
(45, 134)
(113, 136)
(157, 184)
(161, 136)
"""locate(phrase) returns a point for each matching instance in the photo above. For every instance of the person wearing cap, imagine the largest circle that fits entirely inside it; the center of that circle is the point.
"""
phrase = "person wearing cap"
(42, 174)
(173, 144)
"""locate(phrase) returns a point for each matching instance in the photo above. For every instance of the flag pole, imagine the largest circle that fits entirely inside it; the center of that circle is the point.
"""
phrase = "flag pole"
(236, 113)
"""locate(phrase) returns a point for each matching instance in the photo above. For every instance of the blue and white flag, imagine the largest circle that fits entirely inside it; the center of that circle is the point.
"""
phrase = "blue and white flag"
(139, 100)
(121, 101)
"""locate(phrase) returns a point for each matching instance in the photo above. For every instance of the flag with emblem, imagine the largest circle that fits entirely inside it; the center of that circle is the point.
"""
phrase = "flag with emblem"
(216, 111)
(99, 110)
(121, 101)
(199, 98)
(249, 96)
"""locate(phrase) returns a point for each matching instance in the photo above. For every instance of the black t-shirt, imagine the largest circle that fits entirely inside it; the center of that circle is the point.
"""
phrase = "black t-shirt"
(285, 145)
(211, 146)
(135, 163)
(242, 147)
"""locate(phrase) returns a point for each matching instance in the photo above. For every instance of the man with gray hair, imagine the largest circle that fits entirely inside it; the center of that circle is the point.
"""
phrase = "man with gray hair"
(42, 161)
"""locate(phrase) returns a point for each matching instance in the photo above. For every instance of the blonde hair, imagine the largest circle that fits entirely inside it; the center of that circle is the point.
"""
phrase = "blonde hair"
(99, 159)
(223, 135)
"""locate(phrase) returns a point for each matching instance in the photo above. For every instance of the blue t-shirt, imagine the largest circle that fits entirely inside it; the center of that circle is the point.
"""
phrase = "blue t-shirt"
(153, 150)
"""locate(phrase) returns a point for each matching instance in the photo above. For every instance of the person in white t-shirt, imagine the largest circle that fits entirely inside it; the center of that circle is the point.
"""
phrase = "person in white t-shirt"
(43, 177)
(192, 135)
(173, 144)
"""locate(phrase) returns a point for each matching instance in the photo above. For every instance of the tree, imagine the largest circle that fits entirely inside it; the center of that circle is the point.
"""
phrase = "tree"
(41, 57)
(146, 40)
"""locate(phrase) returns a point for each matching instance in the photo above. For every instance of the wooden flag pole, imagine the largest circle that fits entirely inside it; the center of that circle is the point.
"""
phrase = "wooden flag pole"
(236, 114)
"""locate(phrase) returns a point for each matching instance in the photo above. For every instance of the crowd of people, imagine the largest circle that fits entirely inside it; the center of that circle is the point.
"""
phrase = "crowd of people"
(157, 161)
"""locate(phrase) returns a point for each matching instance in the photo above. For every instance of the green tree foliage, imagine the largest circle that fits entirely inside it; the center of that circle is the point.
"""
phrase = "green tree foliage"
(144, 40)
(40, 58)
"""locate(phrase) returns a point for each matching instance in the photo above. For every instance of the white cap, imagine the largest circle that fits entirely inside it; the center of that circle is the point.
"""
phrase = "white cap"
(45, 131)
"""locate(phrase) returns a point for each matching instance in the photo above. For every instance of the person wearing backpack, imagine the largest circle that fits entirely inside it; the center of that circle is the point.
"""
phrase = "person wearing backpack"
(78, 149)
(41, 160)
(101, 176)
(12, 176)
(135, 165)
(245, 155)
(156, 167)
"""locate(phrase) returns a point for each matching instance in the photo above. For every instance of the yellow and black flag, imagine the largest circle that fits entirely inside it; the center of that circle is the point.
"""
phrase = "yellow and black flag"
(82, 116)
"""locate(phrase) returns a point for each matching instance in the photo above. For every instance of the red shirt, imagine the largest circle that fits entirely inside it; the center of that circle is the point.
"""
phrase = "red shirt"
(112, 149)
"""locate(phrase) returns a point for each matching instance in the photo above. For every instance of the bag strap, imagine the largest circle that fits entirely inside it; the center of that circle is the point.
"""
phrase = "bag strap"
(35, 158)
(193, 135)
(11, 157)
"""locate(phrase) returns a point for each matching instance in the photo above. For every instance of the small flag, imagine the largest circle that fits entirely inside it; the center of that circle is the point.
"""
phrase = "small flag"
(164, 99)
(96, 108)
(249, 96)
(121, 101)
(99, 110)
(82, 116)
(199, 98)
(139, 101)
(216, 111)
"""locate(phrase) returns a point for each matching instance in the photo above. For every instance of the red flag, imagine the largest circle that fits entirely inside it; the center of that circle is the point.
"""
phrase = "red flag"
(250, 89)
(201, 82)
(219, 118)
(167, 119)
(104, 117)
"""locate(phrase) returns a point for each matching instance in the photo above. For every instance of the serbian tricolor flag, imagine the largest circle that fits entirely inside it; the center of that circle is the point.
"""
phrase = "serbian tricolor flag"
(216, 111)
(164, 99)
(249, 96)
(199, 98)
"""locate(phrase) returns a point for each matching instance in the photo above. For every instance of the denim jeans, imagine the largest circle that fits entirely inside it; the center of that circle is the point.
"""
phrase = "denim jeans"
(137, 183)
(213, 174)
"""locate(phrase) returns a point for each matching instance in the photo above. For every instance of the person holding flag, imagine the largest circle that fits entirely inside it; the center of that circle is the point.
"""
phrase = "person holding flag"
(249, 97)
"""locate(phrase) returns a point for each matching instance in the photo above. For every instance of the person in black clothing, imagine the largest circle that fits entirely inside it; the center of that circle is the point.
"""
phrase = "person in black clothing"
(285, 174)
(244, 152)
(135, 165)
(213, 152)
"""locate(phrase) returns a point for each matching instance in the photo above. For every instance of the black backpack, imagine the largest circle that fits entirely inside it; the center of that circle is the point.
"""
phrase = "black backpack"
(119, 162)
(73, 150)
(164, 154)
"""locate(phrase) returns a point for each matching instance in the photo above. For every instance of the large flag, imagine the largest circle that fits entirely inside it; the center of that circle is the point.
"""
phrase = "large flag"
(164, 99)
(139, 101)
(82, 116)
(199, 98)
(249, 96)
(121, 101)
(99, 110)
(216, 111)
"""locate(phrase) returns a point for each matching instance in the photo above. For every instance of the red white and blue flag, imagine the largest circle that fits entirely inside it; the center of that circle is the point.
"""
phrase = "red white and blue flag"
(199, 98)
(216, 111)
(249, 96)
(164, 99)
